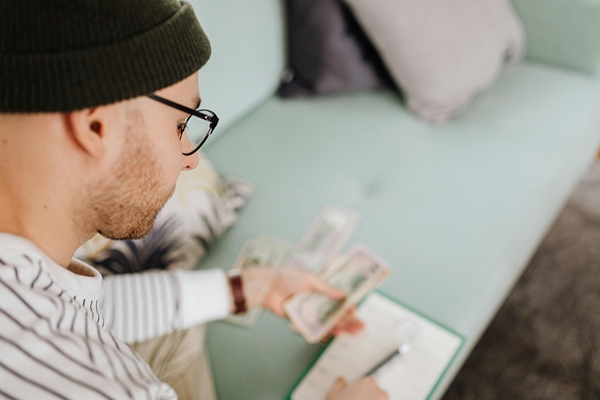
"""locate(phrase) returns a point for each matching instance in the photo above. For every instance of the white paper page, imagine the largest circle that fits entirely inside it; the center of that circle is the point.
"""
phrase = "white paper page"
(388, 326)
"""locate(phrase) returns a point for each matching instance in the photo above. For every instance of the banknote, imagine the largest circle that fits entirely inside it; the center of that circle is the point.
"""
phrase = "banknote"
(357, 273)
(262, 251)
(324, 238)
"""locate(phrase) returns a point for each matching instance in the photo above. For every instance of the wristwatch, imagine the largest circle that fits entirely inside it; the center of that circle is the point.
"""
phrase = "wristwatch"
(235, 282)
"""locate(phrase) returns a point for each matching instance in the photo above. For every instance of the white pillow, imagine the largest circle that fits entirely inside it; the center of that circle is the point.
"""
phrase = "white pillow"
(442, 52)
(203, 207)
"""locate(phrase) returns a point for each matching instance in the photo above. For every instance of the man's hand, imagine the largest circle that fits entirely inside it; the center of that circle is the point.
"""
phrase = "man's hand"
(348, 324)
(270, 288)
(364, 389)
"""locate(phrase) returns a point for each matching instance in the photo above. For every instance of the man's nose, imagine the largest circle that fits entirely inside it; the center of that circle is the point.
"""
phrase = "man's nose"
(190, 162)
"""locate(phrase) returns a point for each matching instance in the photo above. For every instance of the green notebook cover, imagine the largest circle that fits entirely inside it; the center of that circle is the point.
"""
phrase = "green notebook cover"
(461, 337)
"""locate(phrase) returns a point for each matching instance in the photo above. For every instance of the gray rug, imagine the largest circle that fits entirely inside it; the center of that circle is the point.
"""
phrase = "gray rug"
(545, 341)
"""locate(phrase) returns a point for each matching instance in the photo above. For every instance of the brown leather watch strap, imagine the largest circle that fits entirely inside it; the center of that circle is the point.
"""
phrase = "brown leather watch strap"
(235, 281)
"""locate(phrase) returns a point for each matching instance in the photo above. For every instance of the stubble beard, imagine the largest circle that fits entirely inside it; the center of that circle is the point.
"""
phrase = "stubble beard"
(126, 204)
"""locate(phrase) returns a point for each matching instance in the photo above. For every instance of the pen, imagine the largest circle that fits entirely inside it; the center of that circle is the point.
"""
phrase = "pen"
(387, 362)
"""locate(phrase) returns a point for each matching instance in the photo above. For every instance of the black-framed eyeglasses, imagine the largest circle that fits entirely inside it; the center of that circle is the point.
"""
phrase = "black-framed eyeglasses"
(198, 129)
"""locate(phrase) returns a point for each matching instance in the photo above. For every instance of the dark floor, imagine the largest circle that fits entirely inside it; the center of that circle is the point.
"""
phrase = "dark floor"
(545, 341)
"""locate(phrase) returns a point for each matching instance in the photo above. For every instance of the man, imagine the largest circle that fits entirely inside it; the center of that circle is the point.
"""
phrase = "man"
(94, 100)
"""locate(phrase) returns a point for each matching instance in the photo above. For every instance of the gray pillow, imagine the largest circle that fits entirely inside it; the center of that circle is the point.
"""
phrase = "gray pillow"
(328, 52)
(442, 52)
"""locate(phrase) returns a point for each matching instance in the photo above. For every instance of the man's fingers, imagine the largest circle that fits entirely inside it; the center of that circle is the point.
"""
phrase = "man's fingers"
(320, 286)
(351, 319)
(370, 381)
(339, 384)
(352, 330)
(349, 323)
(357, 326)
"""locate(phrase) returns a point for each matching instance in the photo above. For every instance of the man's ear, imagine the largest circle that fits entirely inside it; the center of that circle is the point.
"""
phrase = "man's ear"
(87, 130)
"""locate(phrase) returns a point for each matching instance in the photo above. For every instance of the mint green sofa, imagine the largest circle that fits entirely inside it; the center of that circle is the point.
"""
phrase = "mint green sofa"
(457, 211)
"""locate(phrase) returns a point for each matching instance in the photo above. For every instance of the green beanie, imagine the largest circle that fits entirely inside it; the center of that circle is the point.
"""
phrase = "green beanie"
(66, 55)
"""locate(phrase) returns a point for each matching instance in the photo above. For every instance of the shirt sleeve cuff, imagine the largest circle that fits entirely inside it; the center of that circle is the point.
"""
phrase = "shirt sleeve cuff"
(204, 296)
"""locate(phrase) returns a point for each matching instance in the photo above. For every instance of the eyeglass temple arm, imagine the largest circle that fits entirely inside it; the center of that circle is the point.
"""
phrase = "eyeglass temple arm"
(213, 119)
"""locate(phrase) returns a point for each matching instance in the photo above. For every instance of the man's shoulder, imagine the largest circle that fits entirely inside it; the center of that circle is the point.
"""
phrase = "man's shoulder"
(24, 277)
(19, 265)
(24, 281)
(58, 341)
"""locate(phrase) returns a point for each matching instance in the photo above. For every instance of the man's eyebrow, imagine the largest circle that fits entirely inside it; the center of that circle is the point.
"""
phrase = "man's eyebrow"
(197, 101)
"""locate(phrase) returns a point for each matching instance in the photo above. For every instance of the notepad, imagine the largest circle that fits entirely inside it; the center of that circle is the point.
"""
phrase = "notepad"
(388, 325)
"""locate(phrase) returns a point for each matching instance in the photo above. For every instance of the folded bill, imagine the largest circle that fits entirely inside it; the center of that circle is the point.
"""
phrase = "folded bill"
(324, 238)
(262, 251)
(357, 273)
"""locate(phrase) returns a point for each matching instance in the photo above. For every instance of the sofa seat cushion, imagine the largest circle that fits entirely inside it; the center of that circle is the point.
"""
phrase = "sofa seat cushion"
(456, 211)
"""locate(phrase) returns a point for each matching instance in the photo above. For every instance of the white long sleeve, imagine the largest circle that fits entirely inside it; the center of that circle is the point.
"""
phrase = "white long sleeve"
(204, 296)
(144, 305)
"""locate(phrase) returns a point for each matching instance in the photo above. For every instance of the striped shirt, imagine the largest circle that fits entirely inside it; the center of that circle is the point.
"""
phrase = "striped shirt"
(64, 332)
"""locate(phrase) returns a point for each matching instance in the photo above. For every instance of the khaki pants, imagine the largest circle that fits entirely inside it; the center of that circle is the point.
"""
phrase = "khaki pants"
(180, 360)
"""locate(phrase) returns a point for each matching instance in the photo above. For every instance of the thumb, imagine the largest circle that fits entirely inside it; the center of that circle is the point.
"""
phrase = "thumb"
(328, 290)
(339, 384)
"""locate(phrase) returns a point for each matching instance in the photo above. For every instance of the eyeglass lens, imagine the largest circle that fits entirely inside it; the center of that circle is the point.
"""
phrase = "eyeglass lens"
(196, 129)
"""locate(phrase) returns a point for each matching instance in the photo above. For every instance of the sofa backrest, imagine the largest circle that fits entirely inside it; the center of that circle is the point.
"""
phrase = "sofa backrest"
(248, 54)
(565, 33)
(249, 46)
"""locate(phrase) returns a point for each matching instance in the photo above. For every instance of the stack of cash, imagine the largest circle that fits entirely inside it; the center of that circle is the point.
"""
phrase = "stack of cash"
(357, 272)
(324, 239)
